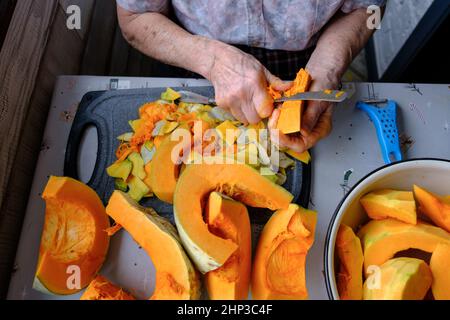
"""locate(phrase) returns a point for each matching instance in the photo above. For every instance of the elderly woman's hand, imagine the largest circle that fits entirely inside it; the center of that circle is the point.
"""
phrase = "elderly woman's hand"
(240, 82)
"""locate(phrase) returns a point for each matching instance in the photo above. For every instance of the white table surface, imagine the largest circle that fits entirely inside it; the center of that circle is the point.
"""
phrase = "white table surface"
(424, 125)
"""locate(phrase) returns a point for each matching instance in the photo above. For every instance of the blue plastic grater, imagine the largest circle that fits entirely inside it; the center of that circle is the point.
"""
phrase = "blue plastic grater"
(385, 122)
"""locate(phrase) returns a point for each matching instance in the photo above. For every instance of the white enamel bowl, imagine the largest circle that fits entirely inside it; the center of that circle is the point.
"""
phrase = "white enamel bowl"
(432, 174)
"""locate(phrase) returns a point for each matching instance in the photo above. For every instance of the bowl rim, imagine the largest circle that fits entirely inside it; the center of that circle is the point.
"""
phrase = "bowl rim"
(336, 215)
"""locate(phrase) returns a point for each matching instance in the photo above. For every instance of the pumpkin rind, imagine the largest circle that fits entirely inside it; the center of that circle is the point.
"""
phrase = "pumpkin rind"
(279, 264)
(439, 265)
(238, 181)
(400, 279)
(73, 236)
(351, 261)
(176, 278)
(229, 219)
(382, 239)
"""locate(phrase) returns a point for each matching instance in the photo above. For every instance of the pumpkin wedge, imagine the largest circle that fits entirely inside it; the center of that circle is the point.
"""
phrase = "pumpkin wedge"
(238, 181)
(441, 275)
(399, 279)
(74, 242)
(165, 166)
(102, 289)
(229, 219)
(382, 239)
(279, 266)
(291, 111)
(435, 207)
(176, 278)
(351, 260)
(387, 203)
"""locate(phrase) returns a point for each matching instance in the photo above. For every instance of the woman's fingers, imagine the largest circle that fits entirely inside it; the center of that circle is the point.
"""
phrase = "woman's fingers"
(272, 126)
(293, 142)
(273, 120)
(300, 142)
(296, 143)
(276, 82)
(250, 113)
(311, 115)
(262, 103)
(323, 127)
(237, 113)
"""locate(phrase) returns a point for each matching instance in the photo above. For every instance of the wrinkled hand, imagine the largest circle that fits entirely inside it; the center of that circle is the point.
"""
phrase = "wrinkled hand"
(316, 123)
(240, 82)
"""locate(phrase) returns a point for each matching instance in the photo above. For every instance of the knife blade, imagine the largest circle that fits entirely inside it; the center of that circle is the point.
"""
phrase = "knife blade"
(326, 95)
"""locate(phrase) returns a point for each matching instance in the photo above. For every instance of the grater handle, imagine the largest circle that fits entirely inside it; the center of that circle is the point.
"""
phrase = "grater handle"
(385, 122)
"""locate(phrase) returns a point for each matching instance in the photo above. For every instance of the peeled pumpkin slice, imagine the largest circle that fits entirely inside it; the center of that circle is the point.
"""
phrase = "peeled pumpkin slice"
(289, 120)
(382, 239)
(227, 132)
(439, 265)
(351, 260)
(102, 289)
(238, 181)
(176, 278)
(74, 242)
(399, 279)
(164, 168)
(229, 219)
(291, 111)
(435, 207)
(279, 265)
(387, 203)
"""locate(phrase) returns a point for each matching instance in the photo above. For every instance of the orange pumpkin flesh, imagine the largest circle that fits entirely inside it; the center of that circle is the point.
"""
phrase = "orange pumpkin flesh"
(229, 219)
(382, 239)
(163, 169)
(389, 203)
(279, 264)
(304, 157)
(176, 278)
(435, 207)
(238, 181)
(102, 289)
(291, 111)
(73, 236)
(439, 265)
(351, 260)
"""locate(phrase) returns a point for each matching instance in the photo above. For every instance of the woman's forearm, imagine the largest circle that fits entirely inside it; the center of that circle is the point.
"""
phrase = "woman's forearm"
(240, 81)
(343, 39)
(158, 37)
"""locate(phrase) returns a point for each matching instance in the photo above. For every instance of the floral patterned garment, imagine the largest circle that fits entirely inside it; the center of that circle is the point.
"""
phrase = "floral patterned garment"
(291, 25)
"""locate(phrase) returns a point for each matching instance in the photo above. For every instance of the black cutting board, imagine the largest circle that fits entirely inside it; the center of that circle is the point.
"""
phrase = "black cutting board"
(110, 111)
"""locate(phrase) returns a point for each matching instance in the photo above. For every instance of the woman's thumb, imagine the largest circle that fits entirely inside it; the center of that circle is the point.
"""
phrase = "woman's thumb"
(277, 83)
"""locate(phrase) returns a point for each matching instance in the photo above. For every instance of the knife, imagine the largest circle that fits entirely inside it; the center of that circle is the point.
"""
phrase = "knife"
(326, 95)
